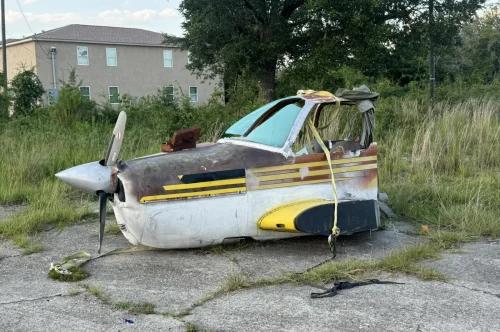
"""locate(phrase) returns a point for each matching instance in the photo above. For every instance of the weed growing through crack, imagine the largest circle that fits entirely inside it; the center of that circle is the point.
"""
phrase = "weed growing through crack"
(136, 308)
(97, 292)
(143, 308)
(75, 291)
(405, 261)
(191, 328)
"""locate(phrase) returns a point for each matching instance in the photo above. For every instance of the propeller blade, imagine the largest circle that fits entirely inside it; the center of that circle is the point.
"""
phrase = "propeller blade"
(116, 140)
(103, 197)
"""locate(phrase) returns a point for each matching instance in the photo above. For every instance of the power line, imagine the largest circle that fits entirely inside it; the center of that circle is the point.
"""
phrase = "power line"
(29, 25)
(24, 16)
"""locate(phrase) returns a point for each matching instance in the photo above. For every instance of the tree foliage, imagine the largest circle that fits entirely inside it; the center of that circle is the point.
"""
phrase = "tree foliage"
(232, 38)
(260, 38)
(27, 91)
(476, 59)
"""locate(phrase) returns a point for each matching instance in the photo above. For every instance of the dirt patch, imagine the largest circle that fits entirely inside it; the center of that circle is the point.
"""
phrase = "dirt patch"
(9, 210)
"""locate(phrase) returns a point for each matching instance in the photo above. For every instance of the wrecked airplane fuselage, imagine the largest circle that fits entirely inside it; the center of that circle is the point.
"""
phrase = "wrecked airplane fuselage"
(258, 181)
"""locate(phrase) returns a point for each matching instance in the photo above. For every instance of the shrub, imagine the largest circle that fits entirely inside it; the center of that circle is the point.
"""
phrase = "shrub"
(72, 104)
(27, 91)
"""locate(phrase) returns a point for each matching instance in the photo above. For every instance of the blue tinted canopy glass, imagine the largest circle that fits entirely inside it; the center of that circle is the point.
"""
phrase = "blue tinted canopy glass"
(241, 126)
(273, 131)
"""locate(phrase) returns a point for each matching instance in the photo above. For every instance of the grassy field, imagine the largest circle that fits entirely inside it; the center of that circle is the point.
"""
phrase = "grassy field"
(440, 166)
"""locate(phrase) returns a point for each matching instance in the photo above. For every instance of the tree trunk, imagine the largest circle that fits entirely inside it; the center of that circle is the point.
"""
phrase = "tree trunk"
(267, 81)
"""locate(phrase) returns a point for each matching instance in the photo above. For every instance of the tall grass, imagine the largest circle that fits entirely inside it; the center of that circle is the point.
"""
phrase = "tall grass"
(441, 165)
(456, 138)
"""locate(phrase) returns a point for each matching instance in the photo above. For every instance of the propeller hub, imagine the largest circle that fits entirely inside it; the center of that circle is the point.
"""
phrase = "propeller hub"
(92, 177)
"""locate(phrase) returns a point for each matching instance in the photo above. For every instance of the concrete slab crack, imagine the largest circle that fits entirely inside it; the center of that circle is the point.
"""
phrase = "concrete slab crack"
(12, 256)
(476, 290)
(34, 299)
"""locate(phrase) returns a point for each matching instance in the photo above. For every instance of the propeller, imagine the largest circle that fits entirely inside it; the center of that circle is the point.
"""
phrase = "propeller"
(110, 159)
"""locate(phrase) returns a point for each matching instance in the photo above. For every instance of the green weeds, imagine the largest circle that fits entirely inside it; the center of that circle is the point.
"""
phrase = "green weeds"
(143, 308)
(97, 293)
(112, 229)
(77, 274)
(139, 308)
(403, 261)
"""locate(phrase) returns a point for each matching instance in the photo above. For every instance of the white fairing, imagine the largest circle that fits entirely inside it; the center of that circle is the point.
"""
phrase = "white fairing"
(198, 222)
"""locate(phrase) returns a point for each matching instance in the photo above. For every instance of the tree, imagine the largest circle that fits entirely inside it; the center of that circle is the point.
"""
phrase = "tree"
(232, 38)
(377, 37)
(476, 58)
(380, 37)
(27, 91)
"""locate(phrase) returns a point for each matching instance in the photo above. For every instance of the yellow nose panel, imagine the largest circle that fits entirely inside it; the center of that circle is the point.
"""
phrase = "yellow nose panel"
(282, 218)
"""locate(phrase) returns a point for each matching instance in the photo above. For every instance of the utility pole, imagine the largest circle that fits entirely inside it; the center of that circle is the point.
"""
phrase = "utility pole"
(4, 48)
(432, 64)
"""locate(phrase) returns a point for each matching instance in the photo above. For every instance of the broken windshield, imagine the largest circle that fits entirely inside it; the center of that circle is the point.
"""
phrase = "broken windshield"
(269, 125)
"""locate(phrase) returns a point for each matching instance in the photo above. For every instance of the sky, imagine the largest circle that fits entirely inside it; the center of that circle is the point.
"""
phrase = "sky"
(155, 15)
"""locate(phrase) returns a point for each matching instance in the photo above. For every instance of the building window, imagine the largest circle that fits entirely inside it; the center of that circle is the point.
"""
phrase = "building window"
(111, 57)
(188, 58)
(114, 95)
(169, 93)
(193, 94)
(82, 55)
(167, 59)
(85, 91)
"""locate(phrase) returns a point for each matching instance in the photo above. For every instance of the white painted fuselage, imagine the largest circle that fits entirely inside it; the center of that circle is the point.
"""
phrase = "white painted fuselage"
(198, 222)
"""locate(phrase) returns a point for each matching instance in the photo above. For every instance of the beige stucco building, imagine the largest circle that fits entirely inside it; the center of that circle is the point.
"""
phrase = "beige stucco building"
(109, 62)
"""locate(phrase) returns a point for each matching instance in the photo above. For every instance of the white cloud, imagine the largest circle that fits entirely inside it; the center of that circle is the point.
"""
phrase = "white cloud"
(169, 12)
(136, 16)
(12, 16)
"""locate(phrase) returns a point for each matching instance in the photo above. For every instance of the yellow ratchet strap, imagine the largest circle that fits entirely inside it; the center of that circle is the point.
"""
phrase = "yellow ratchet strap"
(335, 229)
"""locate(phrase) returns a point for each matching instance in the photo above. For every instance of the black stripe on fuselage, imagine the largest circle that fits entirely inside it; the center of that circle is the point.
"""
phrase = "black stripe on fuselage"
(213, 176)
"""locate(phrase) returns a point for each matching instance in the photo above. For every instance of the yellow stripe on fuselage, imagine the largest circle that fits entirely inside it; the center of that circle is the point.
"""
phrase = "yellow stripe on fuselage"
(196, 185)
(205, 193)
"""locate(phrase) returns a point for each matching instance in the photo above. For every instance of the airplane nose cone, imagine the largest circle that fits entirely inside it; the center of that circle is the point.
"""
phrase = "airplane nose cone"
(91, 177)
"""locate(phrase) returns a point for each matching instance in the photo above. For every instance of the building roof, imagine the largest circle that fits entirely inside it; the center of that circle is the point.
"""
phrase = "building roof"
(100, 35)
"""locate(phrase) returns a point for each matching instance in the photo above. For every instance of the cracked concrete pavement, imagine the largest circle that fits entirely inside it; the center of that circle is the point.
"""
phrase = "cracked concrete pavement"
(173, 280)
